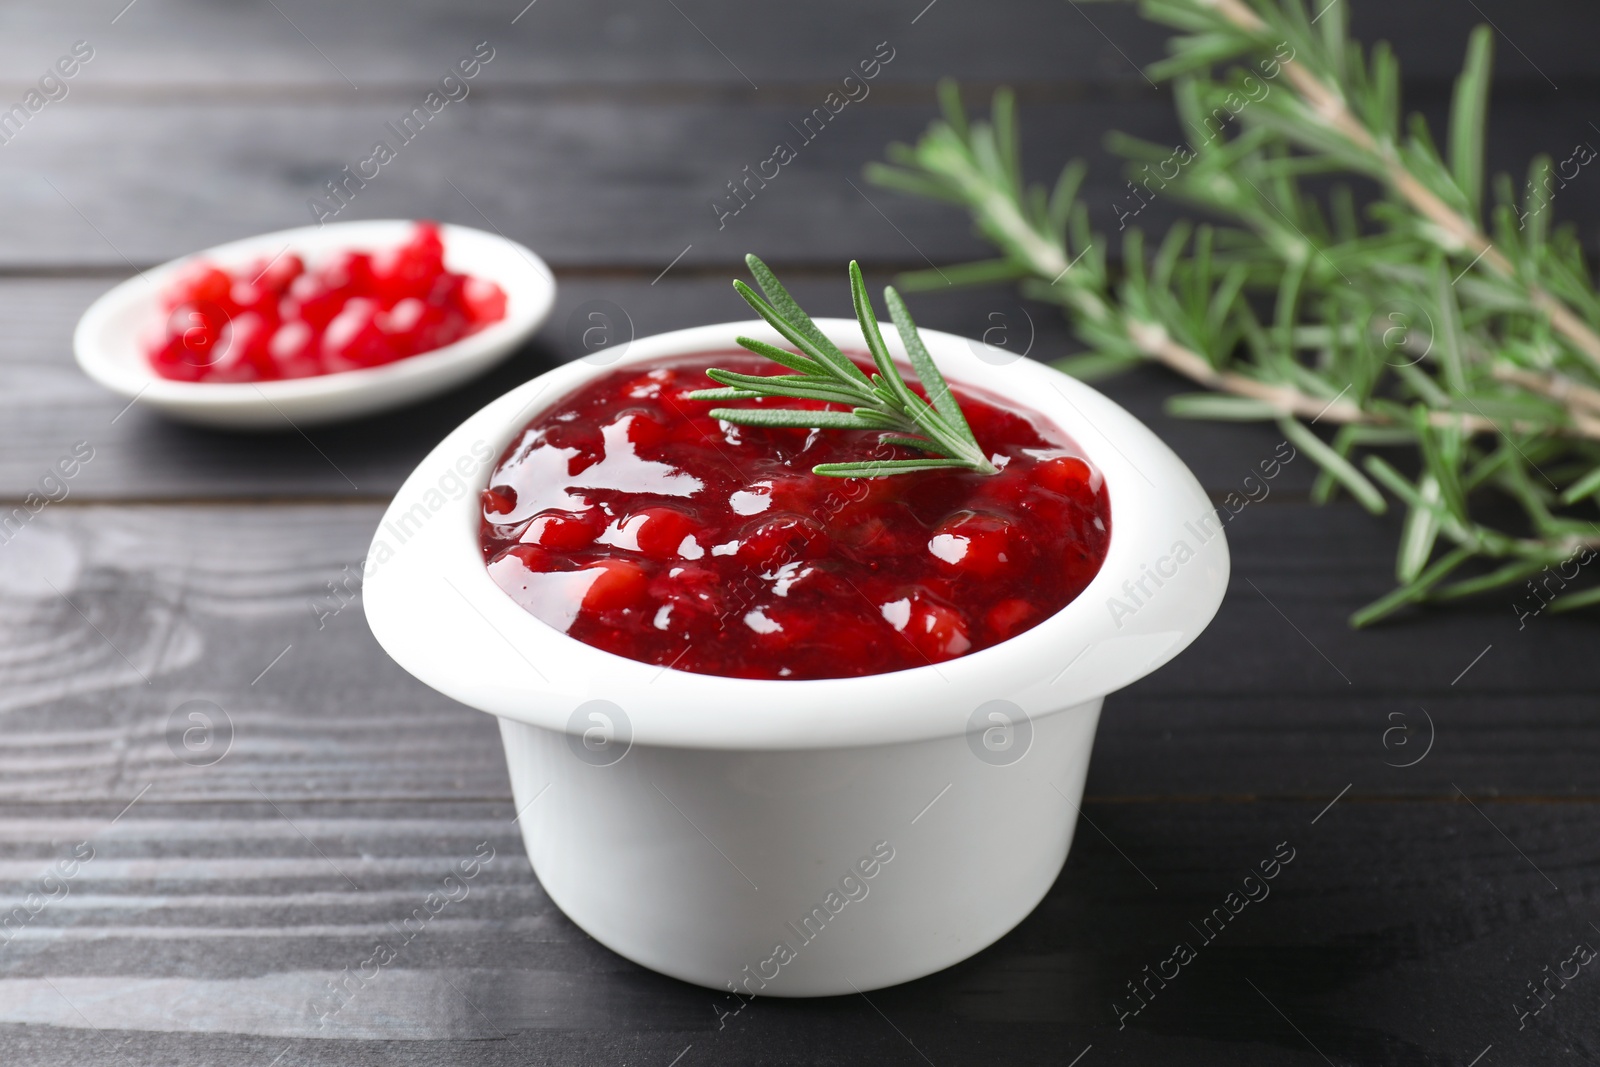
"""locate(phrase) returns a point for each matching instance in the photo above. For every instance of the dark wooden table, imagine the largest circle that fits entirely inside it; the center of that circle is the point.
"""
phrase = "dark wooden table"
(183, 566)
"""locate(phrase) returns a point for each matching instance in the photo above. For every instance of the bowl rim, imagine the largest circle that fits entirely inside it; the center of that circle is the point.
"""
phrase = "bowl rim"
(123, 368)
(431, 604)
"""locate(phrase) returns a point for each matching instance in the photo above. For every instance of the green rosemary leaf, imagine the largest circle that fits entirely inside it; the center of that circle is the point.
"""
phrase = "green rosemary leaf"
(833, 361)
(1428, 390)
(907, 441)
(882, 420)
(904, 181)
(1510, 574)
(1588, 485)
(1200, 52)
(1095, 365)
(878, 468)
(1576, 600)
(1468, 117)
(917, 281)
(1004, 123)
(1215, 406)
(933, 382)
(1302, 437)
(1181, 14)
(1396, 483)
(882, 401)
(1412, 591)
(797, 319)
(980, 272)
(1325, 486)
(1419, 534)
(1333, 27)
(789, 385)
(892, 387)
(792, 360)
(1535, 214)
(1449, 340)
(761, 381)
(1441, 452)
(951, 108)
(792, 418)
(1062, 197)
(724, 394)
(868, 319)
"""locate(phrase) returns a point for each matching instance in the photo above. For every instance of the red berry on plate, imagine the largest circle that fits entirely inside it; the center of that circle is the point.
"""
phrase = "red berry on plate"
(276, 276)
(485, 301)
(352, 273)
(354, 338)
(205, 285)
(198, 328)
(357, 309)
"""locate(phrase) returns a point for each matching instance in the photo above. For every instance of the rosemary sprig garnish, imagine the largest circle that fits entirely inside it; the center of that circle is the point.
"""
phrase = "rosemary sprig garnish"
(1464, 326)
(879, 401)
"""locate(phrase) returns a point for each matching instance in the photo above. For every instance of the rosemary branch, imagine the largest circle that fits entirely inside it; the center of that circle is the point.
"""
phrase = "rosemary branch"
(1491, 372)
(880, 401)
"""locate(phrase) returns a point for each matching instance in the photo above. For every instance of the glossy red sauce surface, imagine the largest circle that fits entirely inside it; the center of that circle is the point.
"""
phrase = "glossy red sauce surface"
(628, 518)
(277, 319)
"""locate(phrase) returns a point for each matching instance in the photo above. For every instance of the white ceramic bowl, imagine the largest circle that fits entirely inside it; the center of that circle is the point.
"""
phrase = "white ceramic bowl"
(109, 340)
(697, 824)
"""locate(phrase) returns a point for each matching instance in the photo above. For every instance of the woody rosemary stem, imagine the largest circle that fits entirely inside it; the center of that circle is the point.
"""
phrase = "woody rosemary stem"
(1154, 342)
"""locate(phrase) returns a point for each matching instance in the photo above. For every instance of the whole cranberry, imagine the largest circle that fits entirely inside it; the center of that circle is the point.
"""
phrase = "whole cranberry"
(780, 539)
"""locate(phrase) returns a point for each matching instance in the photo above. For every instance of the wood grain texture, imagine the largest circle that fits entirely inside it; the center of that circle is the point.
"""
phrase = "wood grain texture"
(193, 173)
(203, 932)
(706, 43)
(202, 173)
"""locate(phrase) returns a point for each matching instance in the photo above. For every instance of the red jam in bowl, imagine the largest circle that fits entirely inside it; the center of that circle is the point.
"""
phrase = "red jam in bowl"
(628, 518)
(277, 319)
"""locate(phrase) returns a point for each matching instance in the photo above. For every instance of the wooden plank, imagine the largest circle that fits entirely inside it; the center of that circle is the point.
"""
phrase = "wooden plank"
(115, 629)
(710, 43)
(583, 182)
(119, 616)
(46, 404)
(586, 182)
(172, 960)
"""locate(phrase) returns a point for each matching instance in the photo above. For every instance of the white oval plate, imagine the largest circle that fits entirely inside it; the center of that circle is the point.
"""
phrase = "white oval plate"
(109, 340)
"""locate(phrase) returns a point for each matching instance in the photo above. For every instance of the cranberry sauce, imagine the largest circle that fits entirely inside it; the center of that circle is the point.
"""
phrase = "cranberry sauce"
(631, 520)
